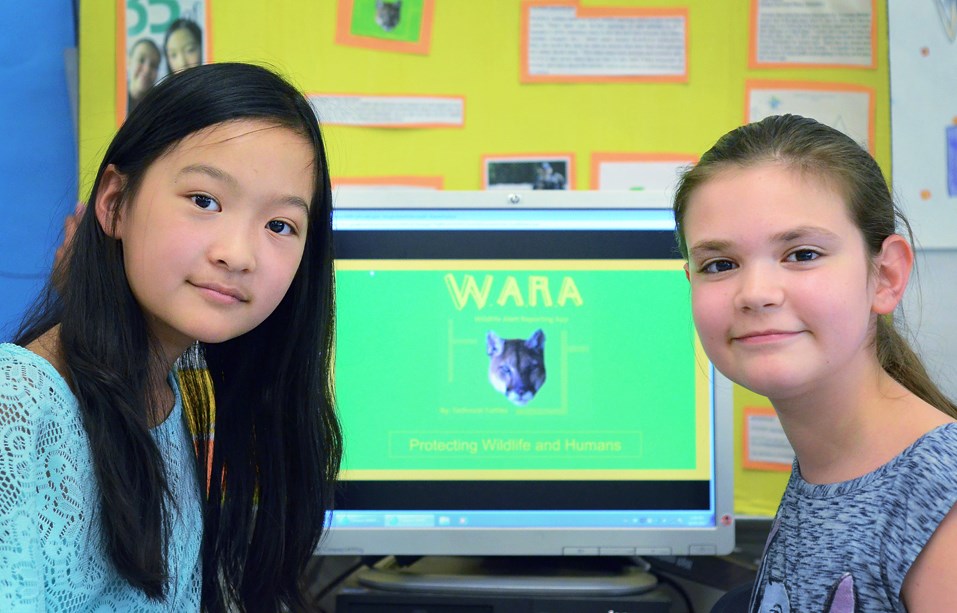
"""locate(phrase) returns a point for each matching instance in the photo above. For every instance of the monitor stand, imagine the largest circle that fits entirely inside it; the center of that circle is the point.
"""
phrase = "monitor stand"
(532, 576)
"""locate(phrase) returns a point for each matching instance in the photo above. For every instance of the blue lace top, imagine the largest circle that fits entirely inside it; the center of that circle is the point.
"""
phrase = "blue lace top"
(52, 556)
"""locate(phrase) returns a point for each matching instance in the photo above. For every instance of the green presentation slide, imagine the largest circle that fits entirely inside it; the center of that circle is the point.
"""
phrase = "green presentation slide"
(418, 390)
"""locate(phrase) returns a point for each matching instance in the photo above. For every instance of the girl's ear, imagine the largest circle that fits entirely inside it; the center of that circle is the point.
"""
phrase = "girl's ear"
(109, 196)
(894, 265)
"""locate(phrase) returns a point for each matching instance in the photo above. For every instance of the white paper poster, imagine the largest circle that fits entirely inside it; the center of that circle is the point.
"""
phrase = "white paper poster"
(641, 173)
(846, 109)
(563, 42)
(389, 111)
(814, 32)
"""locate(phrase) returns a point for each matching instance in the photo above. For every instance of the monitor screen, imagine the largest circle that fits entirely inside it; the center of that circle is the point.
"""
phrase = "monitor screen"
(518, 374)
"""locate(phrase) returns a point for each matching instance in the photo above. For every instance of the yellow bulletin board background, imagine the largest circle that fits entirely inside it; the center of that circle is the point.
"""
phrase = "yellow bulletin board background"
(474, 53)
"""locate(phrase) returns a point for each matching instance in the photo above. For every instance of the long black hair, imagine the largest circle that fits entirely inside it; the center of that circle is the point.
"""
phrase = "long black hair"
(265, 399)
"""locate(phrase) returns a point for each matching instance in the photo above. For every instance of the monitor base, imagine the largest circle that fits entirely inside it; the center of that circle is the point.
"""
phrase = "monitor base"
(530, 576)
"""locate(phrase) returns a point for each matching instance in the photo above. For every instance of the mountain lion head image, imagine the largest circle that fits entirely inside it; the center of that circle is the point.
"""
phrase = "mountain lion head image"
(516, 366)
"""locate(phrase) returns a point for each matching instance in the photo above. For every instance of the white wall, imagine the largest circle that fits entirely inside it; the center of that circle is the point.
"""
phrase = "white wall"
(930, 312)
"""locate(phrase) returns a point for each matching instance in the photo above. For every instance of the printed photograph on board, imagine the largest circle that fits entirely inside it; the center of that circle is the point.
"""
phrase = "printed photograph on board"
(160, 37)
(387, 19)
(527, 173)
(397, 26)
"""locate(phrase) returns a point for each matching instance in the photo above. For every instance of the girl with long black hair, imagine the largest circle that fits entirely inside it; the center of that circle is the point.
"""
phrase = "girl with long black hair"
(197, 291)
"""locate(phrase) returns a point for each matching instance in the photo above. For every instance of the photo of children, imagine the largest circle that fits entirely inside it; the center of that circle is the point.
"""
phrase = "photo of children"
(160, 39)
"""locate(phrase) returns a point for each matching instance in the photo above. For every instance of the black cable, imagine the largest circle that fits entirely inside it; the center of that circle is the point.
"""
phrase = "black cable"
(674, 585)
(334, 583)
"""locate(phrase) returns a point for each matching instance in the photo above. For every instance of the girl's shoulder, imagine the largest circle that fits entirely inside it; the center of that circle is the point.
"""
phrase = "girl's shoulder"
(30, 386)
(935, 451)
(923, 476)
(947, 432)
(928, 462)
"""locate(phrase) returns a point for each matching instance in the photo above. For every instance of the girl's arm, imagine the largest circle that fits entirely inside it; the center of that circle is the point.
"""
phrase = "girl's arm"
(931, 582)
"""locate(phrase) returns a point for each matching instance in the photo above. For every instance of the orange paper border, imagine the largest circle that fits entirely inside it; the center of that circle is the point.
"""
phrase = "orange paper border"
(120, 82)
(531, 157)
(430, 182)
(583, 12)
(753, 46)
(751, 85)
(745, 462)
(392, 125)
(598, 158)
(344, 36)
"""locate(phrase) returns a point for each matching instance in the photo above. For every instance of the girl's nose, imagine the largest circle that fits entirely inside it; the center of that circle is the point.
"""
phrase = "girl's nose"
(759, 288)
(233, 248)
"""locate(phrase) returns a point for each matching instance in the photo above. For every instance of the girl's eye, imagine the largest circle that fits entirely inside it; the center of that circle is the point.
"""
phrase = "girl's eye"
(205, 202)
(803, 255)
(716, 266)
(280, 227)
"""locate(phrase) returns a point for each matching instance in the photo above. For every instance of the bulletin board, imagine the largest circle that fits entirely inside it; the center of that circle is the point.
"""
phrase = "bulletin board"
(459, 95)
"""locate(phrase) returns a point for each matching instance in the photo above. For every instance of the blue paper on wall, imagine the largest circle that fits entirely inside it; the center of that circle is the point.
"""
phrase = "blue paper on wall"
(952, 161)
(37, 147)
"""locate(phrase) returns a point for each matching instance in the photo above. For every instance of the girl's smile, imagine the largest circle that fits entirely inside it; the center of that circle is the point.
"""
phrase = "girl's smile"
(764, 337)
(221, 294)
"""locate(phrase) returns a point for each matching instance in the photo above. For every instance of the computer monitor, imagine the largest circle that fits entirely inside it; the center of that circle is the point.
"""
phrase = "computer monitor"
(517, 374)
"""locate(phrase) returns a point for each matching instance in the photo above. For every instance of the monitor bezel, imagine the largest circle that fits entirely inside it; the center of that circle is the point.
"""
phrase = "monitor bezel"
(716, 539)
